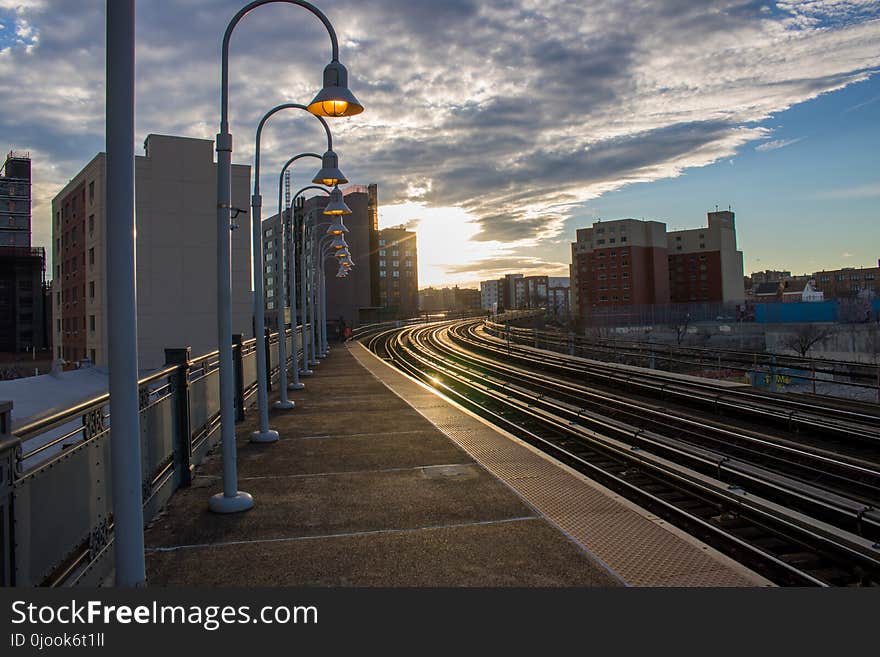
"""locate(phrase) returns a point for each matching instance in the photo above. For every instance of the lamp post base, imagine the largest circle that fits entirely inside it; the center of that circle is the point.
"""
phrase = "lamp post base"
(283, 405)
(269, 436)
(241, 501)
(306, 372)
(296, 386)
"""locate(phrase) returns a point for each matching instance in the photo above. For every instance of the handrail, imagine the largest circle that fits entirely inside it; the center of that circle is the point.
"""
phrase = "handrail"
(63, 416)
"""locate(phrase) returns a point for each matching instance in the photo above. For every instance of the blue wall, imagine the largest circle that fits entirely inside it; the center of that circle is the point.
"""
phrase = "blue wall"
(778, 313)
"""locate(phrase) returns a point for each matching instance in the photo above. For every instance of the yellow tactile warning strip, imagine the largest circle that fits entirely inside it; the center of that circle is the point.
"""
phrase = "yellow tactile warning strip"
(640, 548)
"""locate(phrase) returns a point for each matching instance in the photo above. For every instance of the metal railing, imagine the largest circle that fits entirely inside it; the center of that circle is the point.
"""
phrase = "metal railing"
(56, 510)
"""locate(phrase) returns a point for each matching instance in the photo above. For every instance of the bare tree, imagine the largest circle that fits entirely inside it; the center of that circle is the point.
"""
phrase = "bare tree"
(681, 328)
(806, 337)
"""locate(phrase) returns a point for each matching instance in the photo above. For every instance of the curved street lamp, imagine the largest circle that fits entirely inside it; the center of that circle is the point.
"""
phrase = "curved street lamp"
(330, 171)
(289, 258)
(336, 207)
(333, 100)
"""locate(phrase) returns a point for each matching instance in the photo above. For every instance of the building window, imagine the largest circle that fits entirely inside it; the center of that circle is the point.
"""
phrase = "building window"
(92, 256)
(91, 192)
(702, 246)
(91, 289)
(408, 263)
(395, 253)
(92, 323)
(58, 325)
(381, 242)
(381, 263)
(395, 274)
(92, 356)
(381, 273)
(381, 252)
(600, 241)
(270, 256)
(395, 263)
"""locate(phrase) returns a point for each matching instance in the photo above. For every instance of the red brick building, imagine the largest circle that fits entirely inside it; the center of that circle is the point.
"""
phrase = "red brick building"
(619, 263)
(70, 272)
(627, 262)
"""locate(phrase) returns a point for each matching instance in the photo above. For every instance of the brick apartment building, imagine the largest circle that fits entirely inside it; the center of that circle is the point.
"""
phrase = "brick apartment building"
(849, 282)
(176, 220)
(627, 262)
(398, 272)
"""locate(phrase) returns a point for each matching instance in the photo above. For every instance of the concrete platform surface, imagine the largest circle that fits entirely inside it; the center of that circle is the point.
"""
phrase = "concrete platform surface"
(361, 490)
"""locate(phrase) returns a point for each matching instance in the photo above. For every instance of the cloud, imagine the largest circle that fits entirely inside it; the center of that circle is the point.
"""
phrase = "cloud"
(497, 267)
(846, 255)
(870, 190)
(515, 111)
(776, 144)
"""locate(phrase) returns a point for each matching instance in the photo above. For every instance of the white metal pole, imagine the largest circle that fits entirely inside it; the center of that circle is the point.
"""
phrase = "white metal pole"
(295, 384)
(125, 436)
(303, 269)
(313, 297)
(283, 402)
(263, 434)
(322, 351)
(231, 500)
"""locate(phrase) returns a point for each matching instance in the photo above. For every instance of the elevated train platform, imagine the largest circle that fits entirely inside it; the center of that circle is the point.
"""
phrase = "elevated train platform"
(380, 481)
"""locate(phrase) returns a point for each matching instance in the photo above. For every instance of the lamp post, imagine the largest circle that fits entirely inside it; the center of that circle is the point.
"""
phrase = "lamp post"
(290, 259)
(336, 207)
(328, 175)
(322, 291)
(329, 171)
(334, 99)
(306, 371)
(125, 451)
(335, 246)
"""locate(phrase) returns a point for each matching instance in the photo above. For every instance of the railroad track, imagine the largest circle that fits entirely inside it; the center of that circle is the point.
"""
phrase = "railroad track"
(800, 517)
(624, 350)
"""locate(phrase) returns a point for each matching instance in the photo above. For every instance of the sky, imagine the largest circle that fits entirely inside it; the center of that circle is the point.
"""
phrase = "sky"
(496, 128)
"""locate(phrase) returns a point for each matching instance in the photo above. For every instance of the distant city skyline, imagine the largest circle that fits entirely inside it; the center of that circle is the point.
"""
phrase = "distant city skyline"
(497, 154)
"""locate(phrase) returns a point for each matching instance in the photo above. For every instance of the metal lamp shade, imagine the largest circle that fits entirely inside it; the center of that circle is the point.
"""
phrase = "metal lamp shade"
(337, 227)
(335, 99)
(337, 203)
(329, 175)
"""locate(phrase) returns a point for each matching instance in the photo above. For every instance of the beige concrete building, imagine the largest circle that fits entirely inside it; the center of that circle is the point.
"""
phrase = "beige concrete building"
(176, 218)
(704, 264)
